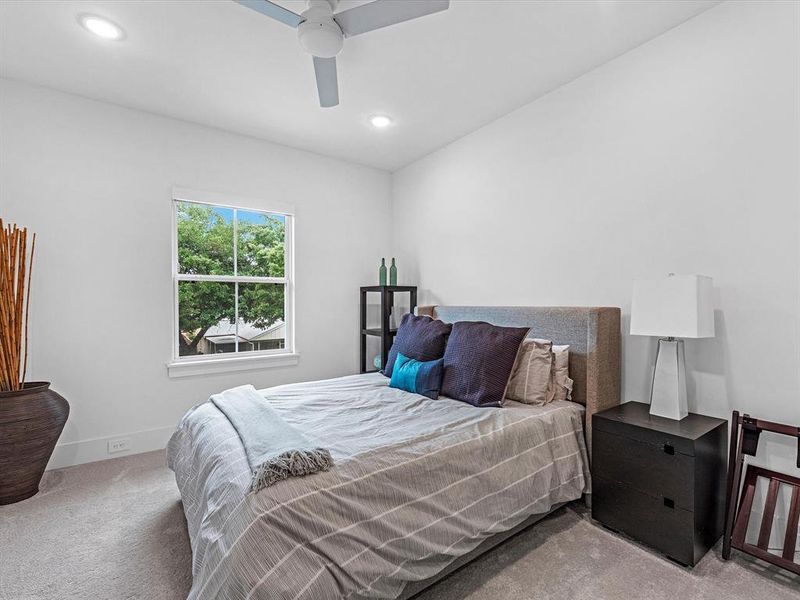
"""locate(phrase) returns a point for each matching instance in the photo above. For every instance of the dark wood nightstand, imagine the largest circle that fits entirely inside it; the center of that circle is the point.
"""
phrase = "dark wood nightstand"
(659, 481)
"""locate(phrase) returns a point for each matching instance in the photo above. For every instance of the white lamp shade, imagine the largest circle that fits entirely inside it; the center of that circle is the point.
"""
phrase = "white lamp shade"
(676, 306)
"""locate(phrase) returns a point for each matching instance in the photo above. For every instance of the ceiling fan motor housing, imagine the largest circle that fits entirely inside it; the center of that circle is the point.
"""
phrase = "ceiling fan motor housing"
(319, 34)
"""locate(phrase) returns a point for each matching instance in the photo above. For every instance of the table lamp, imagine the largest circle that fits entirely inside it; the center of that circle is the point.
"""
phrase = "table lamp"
(673, 307)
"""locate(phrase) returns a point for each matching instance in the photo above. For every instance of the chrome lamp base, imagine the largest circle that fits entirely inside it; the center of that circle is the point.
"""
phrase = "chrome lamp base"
(668, 393)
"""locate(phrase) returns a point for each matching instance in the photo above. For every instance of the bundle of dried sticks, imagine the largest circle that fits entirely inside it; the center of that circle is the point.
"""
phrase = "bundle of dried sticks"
(16, 266)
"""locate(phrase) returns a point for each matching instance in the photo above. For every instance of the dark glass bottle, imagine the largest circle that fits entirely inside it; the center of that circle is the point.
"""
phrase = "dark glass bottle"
(393, 274)
(382, 273)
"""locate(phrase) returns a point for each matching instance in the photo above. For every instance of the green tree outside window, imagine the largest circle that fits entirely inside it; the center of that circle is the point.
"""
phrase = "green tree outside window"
(206, 239)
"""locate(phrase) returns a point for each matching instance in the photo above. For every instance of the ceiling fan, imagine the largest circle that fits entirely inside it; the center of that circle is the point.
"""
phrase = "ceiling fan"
(321, 32)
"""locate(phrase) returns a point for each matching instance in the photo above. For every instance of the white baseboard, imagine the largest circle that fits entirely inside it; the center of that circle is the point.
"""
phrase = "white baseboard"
(86, 451)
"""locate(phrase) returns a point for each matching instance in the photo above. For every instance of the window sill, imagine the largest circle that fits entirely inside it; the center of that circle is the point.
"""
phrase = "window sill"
(190, 368)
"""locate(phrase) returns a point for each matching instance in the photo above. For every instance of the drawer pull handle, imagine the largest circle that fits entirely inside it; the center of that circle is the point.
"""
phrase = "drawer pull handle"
(669, 502)
(669, 448)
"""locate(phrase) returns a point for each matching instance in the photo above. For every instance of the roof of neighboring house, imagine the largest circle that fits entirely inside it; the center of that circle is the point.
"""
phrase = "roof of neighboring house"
(247, 331)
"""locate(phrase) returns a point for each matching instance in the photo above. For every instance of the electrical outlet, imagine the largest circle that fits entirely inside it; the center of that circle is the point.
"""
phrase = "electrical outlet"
(118, 445)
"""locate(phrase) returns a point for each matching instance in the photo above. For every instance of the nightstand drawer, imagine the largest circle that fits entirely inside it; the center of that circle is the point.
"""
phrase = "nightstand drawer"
(657, 470)
(644, 428)
(644, 518)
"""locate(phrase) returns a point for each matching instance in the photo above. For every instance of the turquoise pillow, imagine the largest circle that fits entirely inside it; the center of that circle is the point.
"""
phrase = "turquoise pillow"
(417, 377)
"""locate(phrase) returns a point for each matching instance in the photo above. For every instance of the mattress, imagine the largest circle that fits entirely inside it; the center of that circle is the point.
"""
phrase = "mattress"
(416, 484)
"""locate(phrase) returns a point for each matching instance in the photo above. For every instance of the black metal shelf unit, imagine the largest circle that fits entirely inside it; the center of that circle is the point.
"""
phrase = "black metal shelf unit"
(384, 332)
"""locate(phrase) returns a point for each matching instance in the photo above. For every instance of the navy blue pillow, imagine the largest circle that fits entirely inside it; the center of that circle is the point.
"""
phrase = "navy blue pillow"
(420, 338)
(424, 378)
(478, 361)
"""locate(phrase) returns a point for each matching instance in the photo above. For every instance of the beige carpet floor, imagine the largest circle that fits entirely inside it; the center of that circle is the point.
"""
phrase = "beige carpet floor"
(115, 530)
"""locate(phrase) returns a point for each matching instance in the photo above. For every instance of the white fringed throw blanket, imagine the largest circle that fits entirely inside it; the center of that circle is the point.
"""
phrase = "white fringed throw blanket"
(275, 449)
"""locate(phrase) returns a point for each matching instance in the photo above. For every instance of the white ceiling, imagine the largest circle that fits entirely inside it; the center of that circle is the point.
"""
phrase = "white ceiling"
(220, 64)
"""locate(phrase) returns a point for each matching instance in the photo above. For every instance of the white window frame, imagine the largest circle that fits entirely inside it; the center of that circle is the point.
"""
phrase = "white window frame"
(182, 366)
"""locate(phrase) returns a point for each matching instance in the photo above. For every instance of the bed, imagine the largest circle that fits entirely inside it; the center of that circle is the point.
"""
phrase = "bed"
(419, 486)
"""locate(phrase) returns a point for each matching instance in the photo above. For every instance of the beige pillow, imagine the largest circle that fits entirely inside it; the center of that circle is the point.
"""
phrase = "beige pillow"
(560, 383)
(532, 373)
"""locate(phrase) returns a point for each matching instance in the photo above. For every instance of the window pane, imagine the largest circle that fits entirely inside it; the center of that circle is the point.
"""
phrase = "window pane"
(261, 317)
(205, 239)
(261, 244)
(206, 317)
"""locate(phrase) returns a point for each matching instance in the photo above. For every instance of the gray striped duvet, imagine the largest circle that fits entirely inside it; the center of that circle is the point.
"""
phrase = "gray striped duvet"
(416, 483)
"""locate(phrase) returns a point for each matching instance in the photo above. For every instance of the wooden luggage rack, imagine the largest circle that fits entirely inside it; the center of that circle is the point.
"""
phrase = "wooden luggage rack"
(738, 507)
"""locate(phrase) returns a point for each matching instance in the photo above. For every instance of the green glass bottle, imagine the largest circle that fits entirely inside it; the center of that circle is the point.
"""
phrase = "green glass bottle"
(393, 274)
(382, 273)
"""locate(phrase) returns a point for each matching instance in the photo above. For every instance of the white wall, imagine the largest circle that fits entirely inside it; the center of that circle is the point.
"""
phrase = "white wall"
(680, 156)
(94, 182)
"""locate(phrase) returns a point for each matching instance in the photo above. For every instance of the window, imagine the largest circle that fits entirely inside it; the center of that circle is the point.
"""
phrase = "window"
(233, 286)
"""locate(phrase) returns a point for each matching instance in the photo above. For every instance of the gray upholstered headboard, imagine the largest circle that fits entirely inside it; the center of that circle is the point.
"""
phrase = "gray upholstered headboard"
(593, 334)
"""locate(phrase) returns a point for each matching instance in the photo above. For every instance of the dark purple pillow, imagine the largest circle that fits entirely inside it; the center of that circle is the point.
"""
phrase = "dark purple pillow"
(420, 338)
(478, 361)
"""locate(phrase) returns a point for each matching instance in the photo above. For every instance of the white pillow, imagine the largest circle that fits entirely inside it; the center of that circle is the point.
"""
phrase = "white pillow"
(531, 376)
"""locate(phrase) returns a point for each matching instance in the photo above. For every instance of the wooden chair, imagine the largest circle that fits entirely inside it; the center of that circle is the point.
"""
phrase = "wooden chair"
(738, 507)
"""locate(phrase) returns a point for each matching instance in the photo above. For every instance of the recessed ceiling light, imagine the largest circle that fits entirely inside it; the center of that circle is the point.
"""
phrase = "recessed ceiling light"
(380, 121)
(101, 27)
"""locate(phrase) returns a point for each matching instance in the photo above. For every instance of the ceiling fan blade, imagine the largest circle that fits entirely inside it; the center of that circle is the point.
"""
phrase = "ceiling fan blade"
(327, 82)
(382, 13)
(277, 12)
